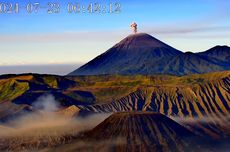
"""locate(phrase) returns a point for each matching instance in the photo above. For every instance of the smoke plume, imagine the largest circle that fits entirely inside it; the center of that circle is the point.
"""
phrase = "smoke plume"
(134, 27)
(46, 103)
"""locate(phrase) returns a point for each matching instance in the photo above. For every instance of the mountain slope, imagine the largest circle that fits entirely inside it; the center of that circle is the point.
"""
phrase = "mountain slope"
(190, 63)
(195, 95)
(137, 131)
(144, 54)
(136, 54)
(192, 95)
(219, 53)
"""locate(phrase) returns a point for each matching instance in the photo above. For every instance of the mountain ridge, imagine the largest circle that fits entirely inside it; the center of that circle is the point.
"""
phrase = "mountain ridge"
(143, 54)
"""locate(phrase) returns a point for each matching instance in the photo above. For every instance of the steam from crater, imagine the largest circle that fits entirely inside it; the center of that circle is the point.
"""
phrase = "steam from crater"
(47, 121)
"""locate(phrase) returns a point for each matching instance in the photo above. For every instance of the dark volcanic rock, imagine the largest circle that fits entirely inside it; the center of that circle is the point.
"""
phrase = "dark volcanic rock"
(136, 54)
(140, 132)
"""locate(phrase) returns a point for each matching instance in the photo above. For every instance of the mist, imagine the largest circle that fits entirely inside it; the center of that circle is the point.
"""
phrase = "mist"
(203, 119)
(47, 126)
(57, 69)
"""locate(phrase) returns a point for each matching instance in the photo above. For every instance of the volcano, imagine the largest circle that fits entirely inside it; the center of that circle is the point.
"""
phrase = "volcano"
(143, 54)
(136, 54)
(137, 131)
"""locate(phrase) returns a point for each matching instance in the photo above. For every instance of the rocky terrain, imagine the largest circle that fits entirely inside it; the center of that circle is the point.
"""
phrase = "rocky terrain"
(198, 104)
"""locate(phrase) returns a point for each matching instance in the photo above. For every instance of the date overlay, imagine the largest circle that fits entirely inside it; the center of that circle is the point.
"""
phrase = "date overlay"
(56, 7)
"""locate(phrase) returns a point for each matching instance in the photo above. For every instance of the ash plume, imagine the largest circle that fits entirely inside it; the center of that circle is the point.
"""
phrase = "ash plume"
(134, 27)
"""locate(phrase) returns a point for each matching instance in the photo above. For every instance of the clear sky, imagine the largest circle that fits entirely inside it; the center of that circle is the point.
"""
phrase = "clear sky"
(73, 39)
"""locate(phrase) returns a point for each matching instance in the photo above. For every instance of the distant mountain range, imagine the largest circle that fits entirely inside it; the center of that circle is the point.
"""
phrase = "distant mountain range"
(143, 54)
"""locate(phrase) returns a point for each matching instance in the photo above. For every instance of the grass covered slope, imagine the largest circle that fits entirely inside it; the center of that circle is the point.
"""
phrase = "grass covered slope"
(200, 103)
(192, 95)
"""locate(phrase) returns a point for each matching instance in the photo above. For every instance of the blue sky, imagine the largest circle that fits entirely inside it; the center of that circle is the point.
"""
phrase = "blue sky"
(63, 38)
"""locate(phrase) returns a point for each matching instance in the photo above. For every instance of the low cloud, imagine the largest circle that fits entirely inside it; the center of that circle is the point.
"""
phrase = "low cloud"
(95, 145)
(46, 127)
(59, 69)
(177, 29)
(69, 36)
(115, 35)
(204, 119)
